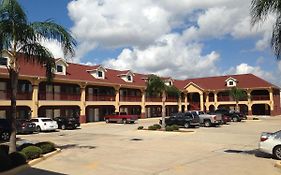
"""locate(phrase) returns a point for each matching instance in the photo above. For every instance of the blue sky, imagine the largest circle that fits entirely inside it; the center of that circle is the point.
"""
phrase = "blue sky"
(183, 39)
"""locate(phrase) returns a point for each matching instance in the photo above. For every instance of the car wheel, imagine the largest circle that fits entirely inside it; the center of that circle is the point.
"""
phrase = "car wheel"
(38, 129)
(207, 123)
(124, 121)
(5, 136)
(277, 152)
(63, 127)
(235, 119)
(106, 120)
(186, 125)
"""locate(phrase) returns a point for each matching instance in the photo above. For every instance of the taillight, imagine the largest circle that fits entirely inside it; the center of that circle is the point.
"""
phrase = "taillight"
(263, 138)
(23, 124)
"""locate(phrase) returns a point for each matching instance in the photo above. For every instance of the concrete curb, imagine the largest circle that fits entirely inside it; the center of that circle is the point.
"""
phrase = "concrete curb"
(44, 157)
(278, 165)
(30, 163)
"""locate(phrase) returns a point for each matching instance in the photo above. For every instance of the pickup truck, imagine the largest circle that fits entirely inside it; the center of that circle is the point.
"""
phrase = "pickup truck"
(233, 116)
(186, 119)
(121, 117)
(208, 119)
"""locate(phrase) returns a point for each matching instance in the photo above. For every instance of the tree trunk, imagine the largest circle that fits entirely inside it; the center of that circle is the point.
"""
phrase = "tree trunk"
(12, 119)
(163, 109)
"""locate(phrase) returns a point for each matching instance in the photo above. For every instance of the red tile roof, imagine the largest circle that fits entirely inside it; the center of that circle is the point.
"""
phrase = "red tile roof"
(78, 72)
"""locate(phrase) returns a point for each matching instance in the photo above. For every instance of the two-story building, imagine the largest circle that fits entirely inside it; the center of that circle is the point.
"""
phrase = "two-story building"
(94, 91)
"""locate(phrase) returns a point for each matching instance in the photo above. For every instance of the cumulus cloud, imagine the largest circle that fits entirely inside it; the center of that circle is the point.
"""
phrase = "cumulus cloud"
(168, 56)
(54, 47)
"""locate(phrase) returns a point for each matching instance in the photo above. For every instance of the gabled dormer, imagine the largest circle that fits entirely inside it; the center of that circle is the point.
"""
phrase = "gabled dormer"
(231, 82)
(61, 66)
(4, 59)
(98, 73)
(127, 76)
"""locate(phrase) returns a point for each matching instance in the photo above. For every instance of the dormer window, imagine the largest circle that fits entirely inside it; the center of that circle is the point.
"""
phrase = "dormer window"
(231, 82)
(59, 68)
(3, 61)
(129, 77)
(100, 74)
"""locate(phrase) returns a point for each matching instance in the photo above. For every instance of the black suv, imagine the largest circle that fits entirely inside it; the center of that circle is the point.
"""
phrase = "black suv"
(186, 119)
(67, 122)
(5, 129)
(233, 116)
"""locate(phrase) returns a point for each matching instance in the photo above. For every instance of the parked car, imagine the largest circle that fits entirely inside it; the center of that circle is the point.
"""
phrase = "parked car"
(44, 124)
(233, 116)
(121, 117)
(67, 122)
(186, 119)
(241, 115)
(208, 119)
(5, 129)
(25, 126)
(271, 143)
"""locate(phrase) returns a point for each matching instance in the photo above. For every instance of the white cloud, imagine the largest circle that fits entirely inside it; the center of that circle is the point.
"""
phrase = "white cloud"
(54, 47)
(168, 56)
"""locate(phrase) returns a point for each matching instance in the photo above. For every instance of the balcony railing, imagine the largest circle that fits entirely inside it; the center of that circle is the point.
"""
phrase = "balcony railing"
(5, 95)
(100, 98)
(211, 99)
(171, 99)
(260, 97)
(59, 96)
(194, 105)
(153, 99)
(130, 98)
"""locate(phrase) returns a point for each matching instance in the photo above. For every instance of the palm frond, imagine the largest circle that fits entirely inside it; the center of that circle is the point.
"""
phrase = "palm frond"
(155, 85)
(276, 38)
(12, 11)
(51, 31)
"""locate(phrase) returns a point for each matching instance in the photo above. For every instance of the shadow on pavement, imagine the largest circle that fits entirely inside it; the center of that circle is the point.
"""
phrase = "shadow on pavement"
(36, 171)
(254, 152)
(72, 146)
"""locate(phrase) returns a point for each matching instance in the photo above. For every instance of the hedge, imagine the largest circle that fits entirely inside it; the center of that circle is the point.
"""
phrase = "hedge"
(31, 152)
(46, 147)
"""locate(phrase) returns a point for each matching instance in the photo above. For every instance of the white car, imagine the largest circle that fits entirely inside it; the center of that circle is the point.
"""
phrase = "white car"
(45, 124)
(271, 143)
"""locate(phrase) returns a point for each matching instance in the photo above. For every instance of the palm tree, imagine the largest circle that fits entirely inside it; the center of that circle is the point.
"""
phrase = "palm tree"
(20, 37)
(156, 86)
(237, 94)
(260, 10)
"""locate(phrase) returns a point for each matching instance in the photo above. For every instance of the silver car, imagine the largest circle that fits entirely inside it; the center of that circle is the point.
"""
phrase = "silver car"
(271, 143)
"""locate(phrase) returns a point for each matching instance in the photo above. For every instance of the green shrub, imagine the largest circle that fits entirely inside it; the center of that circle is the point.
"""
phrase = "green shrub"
(4, 148)
(168, 128)
(21, 147)
(175, 127)
(32, 152)
(46, 147)
(152, 127)
(255, 118)
(17, 159)
(140, 127)
(157, 126)
(5, 161)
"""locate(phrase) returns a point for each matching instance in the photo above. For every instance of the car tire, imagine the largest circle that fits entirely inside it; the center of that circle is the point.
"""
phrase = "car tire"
(186, 125)
(107, 120)
(207, 123)
(38, 129)
(5, 136)
(63, 127)
(235, 119)
(277, 152)
(124, 121)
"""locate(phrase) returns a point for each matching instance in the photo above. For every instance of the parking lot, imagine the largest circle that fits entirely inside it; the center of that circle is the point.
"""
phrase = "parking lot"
(100, 148)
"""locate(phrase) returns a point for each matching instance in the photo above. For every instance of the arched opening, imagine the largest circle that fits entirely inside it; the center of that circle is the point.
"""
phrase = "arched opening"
(153, 111)
(183, 108)
(211, 97)
(171, 109)
(58, 111)
(132, 110)
(194, 101)
(257, 95)
(260, 109)
(23, 112)
(244, 109)
(97, 113)
(212, 108)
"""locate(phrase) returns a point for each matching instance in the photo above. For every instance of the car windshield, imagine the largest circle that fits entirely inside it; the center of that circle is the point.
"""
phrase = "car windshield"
(47, 120)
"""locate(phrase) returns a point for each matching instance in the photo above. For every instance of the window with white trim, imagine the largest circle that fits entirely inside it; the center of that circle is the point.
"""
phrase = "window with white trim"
(3, 61)
(59, 68)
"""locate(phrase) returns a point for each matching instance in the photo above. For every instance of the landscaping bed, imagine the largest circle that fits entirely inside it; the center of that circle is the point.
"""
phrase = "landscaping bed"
(25, 154)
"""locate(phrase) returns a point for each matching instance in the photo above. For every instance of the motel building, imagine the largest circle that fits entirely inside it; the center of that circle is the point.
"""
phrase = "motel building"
(92, 92)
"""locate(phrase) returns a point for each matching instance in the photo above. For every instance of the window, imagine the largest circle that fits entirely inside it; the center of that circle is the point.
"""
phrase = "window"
(59, 68)
(129, 78)
(100, 74)
(230, 83)
(3, 61)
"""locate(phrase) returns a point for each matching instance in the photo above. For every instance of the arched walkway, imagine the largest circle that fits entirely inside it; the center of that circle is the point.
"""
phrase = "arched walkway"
(97, 113)
(260, 109)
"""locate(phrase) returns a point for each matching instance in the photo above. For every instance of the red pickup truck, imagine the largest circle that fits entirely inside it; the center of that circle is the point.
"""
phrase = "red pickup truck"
(121, 117)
